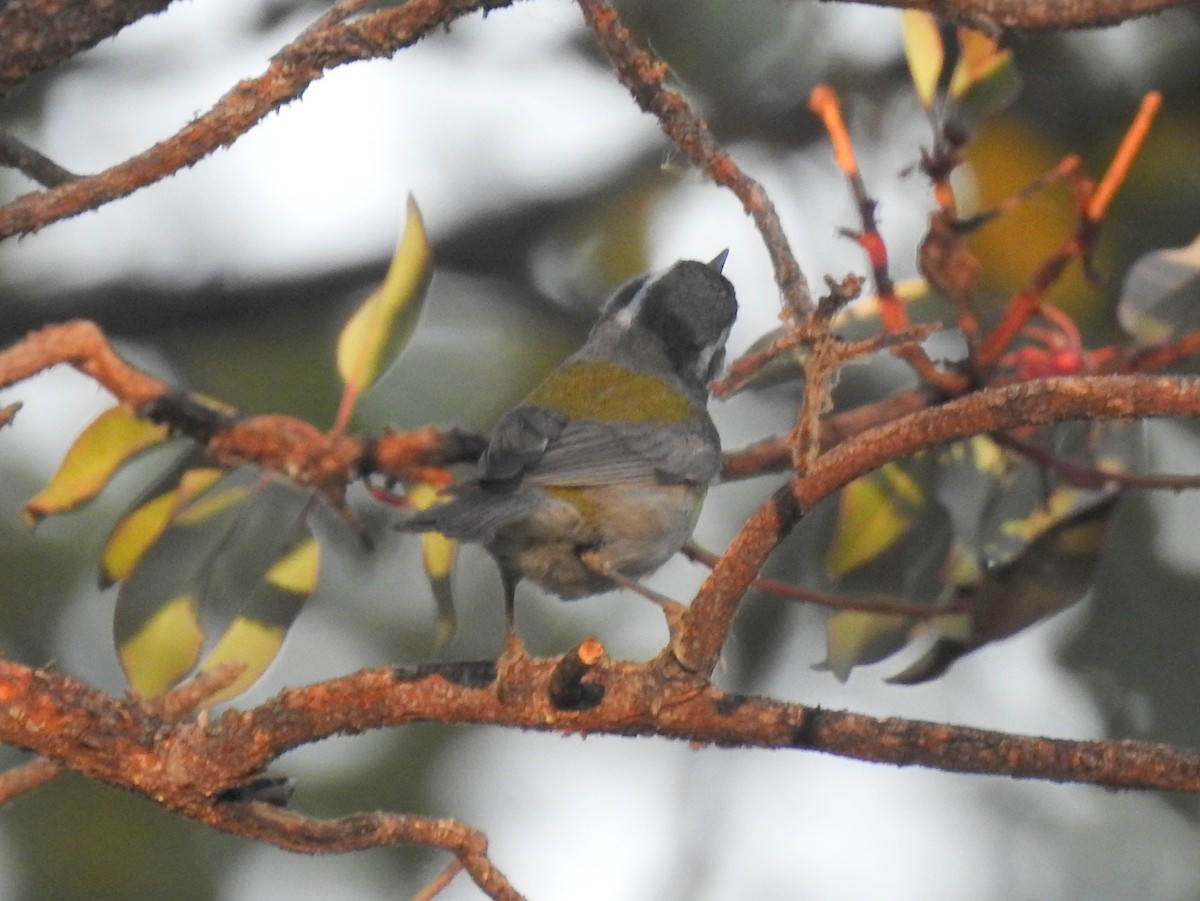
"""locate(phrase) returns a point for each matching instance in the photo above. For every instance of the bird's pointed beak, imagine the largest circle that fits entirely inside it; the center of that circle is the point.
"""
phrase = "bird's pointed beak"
(718, 262)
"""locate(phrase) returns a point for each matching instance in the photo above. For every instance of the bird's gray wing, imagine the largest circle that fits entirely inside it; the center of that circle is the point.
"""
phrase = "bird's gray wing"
(519, 441)
(598, 453)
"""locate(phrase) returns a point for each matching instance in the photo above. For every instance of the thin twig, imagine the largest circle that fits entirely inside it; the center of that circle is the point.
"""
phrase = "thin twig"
(645, 77)
(874, 604)
(440, 882)
(1079, 245)
(22, 779)
(16, 154)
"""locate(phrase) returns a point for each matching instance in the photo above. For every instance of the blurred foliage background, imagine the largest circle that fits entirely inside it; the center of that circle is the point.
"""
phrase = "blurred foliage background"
(543, 188)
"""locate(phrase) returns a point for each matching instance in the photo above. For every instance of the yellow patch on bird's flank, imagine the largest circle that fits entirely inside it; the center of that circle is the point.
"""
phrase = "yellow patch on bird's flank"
(604, 392)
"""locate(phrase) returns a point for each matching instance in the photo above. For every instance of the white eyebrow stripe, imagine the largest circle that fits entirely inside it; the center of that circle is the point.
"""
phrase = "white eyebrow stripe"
(629, 312)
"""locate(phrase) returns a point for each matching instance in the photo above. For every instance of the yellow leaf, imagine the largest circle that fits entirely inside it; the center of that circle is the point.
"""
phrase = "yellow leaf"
(256, 634)
(980, 57)
(857, 637)
(874, 513)
(164, 649)
(212, 504)
(138, 530)
(297, 571)
(438, 554)
(925, 53)
(112, 439)
(382, 326)
(248, 642)
(133, 536)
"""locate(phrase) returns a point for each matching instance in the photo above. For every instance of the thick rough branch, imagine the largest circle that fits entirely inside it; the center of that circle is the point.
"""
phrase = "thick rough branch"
(41, 33)
(1035, 15)
(187, 766)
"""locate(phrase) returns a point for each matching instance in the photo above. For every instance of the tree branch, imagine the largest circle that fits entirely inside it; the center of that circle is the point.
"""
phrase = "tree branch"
(326, 45)
(187, 766)
(708, 619)
(645, 77)
(1034, 15)
(39, 34)
(16, 154)
(324, 461)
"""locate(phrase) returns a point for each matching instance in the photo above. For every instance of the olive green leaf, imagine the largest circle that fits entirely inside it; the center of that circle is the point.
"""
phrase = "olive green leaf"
(984, 81)
(156, 620)
(874, 512)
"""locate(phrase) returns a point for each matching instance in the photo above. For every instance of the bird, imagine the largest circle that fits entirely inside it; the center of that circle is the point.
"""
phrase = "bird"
(597, 477)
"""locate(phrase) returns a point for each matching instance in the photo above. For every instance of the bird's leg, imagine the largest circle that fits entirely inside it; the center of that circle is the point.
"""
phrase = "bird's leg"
(672, 609)
(514, 647)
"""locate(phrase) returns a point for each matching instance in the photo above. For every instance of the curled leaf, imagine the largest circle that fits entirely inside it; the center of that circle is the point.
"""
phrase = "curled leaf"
(112, 440)
(385, 322)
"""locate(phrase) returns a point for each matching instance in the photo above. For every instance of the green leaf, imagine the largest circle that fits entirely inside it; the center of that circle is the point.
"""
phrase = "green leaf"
(925, 53)
(874, 512)
(256, 634)
(113, 439)
(1161, 296)
(385, 322)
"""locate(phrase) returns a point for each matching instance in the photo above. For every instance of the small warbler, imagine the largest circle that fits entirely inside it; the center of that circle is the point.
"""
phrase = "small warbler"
(597, 477)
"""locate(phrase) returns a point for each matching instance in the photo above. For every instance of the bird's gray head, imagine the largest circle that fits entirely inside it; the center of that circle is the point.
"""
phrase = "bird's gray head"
(681, 315)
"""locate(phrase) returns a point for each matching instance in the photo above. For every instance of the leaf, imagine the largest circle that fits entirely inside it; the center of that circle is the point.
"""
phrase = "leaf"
(874, 512)
(163, 594)
(1161, 296)
(857, 638)
(438, 554)
(258, 631)
(925, 53)
(164, 648)
(112, 439)
(1053, 573)
(134, 534)
(980, 59)
(385, 322)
